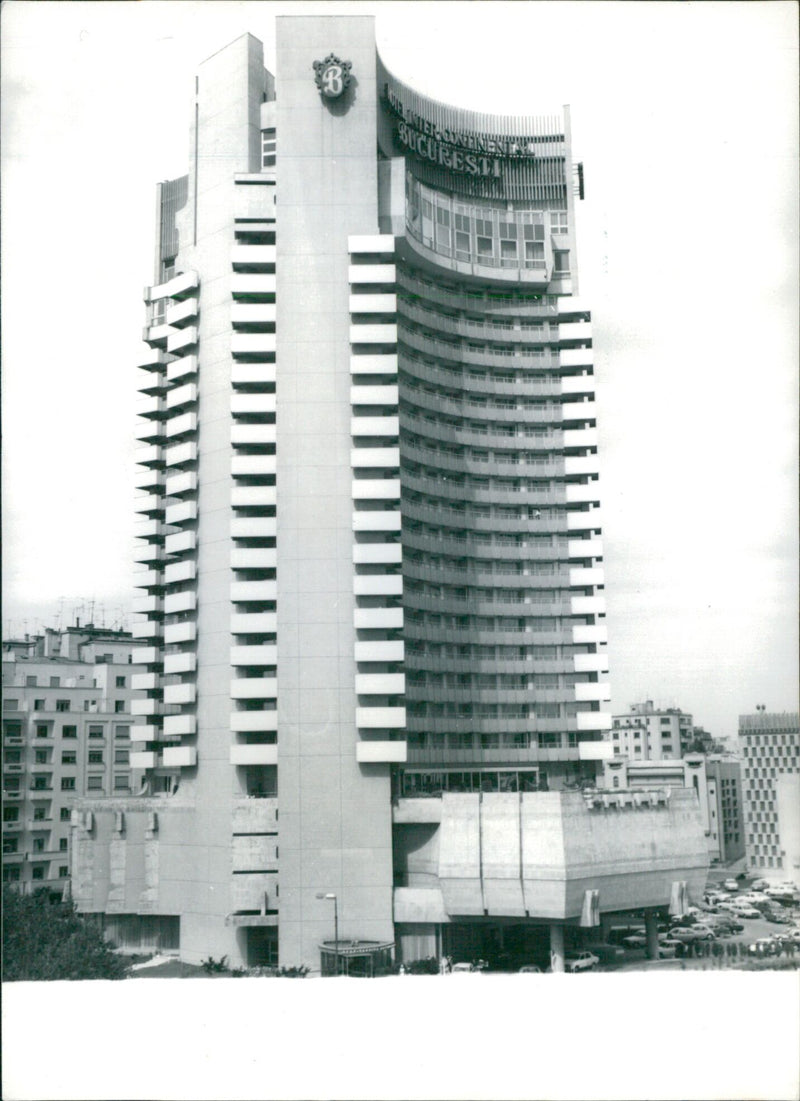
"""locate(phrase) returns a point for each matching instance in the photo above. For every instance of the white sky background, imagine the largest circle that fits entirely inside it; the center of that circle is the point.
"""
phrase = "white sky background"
(685, 116)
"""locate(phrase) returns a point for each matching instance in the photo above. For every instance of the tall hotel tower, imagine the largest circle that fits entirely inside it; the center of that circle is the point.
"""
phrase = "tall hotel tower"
(372, 634)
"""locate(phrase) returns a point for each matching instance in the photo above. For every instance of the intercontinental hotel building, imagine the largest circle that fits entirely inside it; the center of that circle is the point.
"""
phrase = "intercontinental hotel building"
(372, 676)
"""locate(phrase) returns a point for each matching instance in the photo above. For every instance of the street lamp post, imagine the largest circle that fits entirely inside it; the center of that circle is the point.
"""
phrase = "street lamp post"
(320, 894)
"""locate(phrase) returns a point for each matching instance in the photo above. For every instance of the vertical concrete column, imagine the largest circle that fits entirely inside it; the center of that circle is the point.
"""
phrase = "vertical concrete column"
(557, 948)
(651, 932)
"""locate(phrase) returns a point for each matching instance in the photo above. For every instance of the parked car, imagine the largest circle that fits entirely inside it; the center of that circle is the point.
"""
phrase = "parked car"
(684, 934)
(703, 932)
(529, 969)
(465, 968)
(729, 924)
(580, 961)
(731, 885)
(667, 951)
(759, 885)
(636, 940)
(745, 911)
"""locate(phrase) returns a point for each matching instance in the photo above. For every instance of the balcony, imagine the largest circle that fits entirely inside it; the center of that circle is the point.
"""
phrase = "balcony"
(377, 752)
(179, 726)
(145, 682)
(179, 756)
(369, 457)
(380, 684)
(252, 435)
(600, 691)
(181, 395)
(253, 722)
(146, 758)
(179, 663)
(177, 572)
(593, 720)
(254, 688)
(254, 623)
(376, 489)
(258, 466)
(380, 584)
(182, 368)
(252, 404)
(375, 520)
(373, 304)
(260, 754)
(375, 426)
(181, 425)
(254, 656)
(380, 718)
(245, 285)
(255, 313)
(380, 650)
(180, 542)
(182, 312)
(253, 527)
(252, 344)
(377, 553)
(177, 603)
(249, 591)
(180, 339)
(371, 273)
(576, 437)
(175, 633)
(180, 454)
(585, 577)
(146, 707)
(252, 256)
(177, 287)
(378, 619)
(254, 558)
(374, 395)
(180, 694)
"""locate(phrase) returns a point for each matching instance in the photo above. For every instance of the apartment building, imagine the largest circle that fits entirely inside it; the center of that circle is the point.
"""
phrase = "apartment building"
(648, 733)
(770, 747)
(66, 735)
(371, 643)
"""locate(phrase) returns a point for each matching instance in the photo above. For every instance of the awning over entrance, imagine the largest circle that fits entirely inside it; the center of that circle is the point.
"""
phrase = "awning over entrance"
(358, 958)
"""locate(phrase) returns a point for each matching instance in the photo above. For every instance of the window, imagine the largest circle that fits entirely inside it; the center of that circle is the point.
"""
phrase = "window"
(64, 814)
(120, 682)
(122, 732)
(11, 875)
(62, 844)
(63, 871)
(95, 757)
(30, 682)
(121, 757)
(40, 783)
(121, 783)
(42, 730)
(69, 732)
(55, 682)
(38, 872)
(38, 844)
(561, 257)
(95, 731)
(67, 783)
(62, 705)
(119, 706)
(268, 144)
(41, 757)
(558, 221)
(69, 758)
(10, 814)
(13, 756)
(94, 783)
(10, 844)
(10, 705)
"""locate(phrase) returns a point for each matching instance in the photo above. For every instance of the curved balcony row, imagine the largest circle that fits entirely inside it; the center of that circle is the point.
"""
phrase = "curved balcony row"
(480, 435)
(464, 519)
(462, 460)
(511, 382)
(473, 694)
(469, 604)
(481, 357)
(448, 544)
(508, 302)
(500, 665)
(444, 574)
(515, 411)
(434, 484)
(470, 634)
(500, 329)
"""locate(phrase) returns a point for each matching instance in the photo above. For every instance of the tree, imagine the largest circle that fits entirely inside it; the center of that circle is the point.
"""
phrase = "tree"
(47, 939)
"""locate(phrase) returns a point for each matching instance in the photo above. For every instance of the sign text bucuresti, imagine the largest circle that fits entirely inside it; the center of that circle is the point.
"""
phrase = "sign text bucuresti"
(474, 154)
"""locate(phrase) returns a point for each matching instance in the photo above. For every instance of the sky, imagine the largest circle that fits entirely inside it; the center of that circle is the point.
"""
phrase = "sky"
(685, 116)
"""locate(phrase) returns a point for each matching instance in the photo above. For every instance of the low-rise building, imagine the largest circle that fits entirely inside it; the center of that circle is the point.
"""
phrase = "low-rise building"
(66, 734)
(717, 782)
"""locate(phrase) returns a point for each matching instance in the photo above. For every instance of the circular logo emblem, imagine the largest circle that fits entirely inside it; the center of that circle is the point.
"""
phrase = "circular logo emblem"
(332, 76)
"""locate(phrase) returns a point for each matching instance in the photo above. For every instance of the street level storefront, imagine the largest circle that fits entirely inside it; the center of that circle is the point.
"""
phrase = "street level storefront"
(358, 958)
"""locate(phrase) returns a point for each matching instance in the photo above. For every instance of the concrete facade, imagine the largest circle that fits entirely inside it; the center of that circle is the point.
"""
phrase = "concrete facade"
(370, 546)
